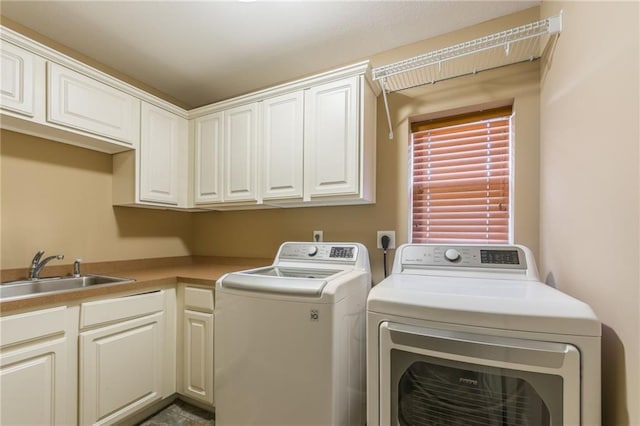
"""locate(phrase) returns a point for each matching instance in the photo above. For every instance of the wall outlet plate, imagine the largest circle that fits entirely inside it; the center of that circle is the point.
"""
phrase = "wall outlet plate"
(392, 239)
(317, 236)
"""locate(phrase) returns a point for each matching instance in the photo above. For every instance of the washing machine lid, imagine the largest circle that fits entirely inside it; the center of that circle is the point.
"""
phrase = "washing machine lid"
(281, 280)
(518, 305)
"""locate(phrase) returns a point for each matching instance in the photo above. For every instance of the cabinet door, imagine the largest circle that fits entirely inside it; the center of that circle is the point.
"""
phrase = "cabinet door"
(240, 156)
(159, 155)
(332, 139)
(80, 102)
(208, 133)
(120, 369)
(282, 139)
(17, 80)
(38, 367)
(198, 355)
(32, 381)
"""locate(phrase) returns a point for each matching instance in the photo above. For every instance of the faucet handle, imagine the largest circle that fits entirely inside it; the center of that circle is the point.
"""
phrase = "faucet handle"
(76, 268)
(36, 257)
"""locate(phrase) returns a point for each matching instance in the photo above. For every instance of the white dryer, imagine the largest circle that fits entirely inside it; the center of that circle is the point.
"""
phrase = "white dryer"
(468, 335)
(290, 339)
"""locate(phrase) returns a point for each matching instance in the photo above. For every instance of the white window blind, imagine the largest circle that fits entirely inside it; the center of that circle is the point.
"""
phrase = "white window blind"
(461, 171)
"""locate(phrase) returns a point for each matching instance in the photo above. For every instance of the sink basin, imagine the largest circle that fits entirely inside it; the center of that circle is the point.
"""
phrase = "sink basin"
(27, 288)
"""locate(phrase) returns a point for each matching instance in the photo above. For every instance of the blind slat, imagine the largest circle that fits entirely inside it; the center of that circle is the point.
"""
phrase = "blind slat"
(460, 182)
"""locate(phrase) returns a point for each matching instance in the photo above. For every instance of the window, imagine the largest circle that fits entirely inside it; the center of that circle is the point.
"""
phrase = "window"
(461, 178)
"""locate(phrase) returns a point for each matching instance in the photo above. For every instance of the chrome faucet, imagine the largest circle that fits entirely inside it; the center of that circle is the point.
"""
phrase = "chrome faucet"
(37, 265)
(76, 268)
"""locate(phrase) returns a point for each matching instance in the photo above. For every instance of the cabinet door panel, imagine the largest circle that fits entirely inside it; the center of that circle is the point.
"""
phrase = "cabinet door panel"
(332, 139)
(198, 355)
(77, 101)
(240, 153)
(17, 80)
(208, 158)
(120, 369)
(32, 380)
(159, 140)
(282, 139)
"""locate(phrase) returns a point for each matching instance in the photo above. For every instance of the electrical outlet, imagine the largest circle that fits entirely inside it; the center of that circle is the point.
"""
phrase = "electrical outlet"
(317, 236)
(392, 238)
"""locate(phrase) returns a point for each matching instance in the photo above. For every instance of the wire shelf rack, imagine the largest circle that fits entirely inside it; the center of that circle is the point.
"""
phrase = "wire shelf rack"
(523, 43)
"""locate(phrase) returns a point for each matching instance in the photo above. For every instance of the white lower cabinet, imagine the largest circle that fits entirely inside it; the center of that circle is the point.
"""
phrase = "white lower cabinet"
(124, 363)
(103, 361)
(121, 369)
(37, 374)
(197, 344)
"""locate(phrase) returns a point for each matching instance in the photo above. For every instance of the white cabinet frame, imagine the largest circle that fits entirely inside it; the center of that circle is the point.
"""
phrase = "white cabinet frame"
(332, 139)
(240, 154)
(80, 102)
(38, 372)
(208, 133)
(282, 139)
(161, 137)
(17, 80)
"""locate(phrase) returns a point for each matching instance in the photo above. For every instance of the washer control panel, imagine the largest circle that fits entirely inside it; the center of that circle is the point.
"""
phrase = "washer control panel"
(457, 256)
(319, 252)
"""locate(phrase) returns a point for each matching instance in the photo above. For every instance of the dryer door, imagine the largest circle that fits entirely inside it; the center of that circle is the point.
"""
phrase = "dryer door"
(441, 377)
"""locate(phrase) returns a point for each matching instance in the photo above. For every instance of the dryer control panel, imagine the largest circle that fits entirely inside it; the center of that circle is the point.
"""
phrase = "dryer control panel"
(462, 256)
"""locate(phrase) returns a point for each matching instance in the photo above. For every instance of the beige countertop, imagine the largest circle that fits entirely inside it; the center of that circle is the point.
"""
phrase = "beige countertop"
(148, 274)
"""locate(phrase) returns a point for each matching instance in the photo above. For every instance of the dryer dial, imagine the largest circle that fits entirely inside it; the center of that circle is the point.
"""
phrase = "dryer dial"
(452, 255)
(312, 251)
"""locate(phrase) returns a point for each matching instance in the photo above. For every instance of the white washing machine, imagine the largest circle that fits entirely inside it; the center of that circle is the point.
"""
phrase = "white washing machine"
(290, 339)
(468, 335)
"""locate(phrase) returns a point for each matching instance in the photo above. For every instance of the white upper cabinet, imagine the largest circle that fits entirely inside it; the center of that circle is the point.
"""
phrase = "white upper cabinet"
(162, 140)
(314, 144)
(225, 157)
(331, 138)
(157, 173)
(80, 102)
(240, 153)
(208, 140)
(282, 146)
(17, 80)
(306, 142)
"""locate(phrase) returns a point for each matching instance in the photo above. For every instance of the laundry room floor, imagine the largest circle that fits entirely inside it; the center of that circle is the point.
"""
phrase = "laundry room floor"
(179, 413)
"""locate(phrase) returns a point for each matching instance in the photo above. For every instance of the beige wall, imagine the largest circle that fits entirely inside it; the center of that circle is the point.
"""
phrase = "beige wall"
(589, 168)
(57, 197)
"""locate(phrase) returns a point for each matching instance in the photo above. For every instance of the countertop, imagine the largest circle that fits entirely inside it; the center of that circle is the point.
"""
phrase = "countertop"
(148, 274)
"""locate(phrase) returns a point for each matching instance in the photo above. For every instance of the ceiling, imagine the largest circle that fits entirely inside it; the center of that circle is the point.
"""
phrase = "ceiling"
(199, 52)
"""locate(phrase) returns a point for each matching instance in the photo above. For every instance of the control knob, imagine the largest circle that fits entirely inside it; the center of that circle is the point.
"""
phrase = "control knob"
(312, 251)
(452, 255)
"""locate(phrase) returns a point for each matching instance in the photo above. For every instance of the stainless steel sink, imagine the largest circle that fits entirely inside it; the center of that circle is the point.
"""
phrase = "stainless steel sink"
(27, 288)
